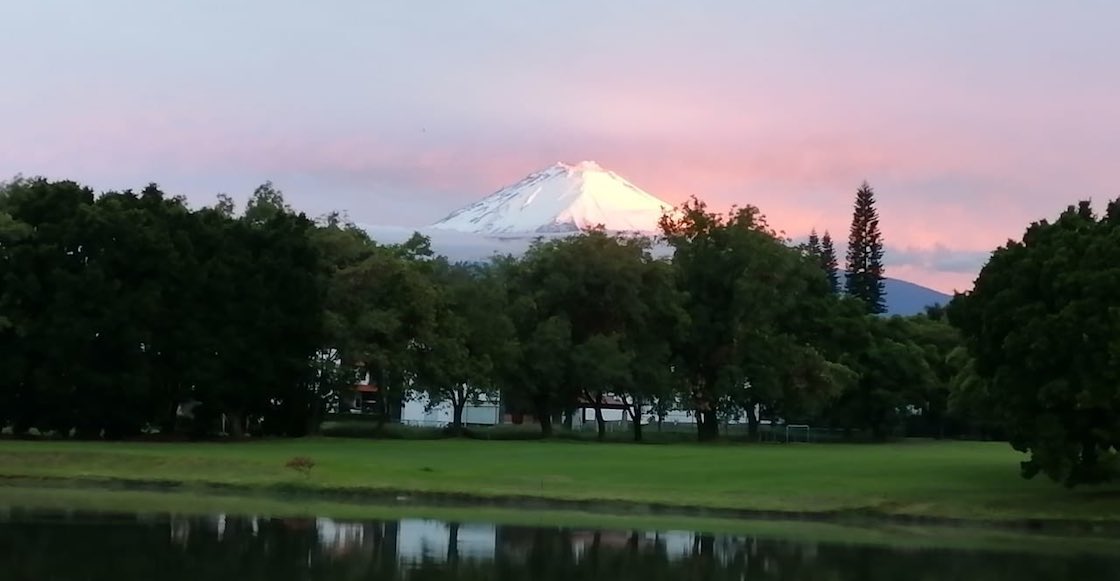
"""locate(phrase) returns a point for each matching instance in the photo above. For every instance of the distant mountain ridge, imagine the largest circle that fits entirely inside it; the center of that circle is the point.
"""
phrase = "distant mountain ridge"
(906, 298)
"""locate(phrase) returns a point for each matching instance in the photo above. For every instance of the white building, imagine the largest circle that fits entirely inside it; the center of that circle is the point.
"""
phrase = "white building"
(418, 411)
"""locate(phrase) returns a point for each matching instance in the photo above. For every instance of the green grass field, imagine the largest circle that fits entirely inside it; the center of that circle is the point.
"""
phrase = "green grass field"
(966, 480)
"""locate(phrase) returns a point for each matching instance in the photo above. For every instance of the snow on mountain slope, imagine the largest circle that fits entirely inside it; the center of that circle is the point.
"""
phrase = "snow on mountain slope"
(561, 199)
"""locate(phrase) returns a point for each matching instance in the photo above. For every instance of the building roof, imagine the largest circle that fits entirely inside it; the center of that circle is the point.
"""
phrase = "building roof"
(608, 401)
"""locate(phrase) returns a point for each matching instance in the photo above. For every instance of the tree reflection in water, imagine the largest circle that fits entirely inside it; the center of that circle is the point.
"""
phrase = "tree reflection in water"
(36, 546)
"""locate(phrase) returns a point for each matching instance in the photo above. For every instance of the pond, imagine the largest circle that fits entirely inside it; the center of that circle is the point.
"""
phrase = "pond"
(55, 545)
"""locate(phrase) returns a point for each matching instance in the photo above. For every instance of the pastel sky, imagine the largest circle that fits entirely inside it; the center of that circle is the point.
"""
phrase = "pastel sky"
(970, 118)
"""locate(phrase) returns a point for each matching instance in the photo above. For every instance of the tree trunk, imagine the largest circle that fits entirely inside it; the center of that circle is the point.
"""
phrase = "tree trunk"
(707, 545)
(236, 424)
(707, 421)
(384, 408)
(707, 426)
(315, 418)
(457, 406)
(544, 418)
(383, 399)
(170, 420)
(635, 411)
(453, 543)
(569, 419)
(752, 424)
(600, 423)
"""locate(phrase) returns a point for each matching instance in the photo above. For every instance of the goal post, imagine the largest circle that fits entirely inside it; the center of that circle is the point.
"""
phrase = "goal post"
(799, 431)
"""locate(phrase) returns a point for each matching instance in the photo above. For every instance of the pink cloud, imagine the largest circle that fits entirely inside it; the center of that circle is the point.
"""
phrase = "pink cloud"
(936, 187)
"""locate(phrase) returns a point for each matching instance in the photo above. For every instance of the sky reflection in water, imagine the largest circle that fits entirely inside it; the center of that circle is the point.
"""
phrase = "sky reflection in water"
(41, 545)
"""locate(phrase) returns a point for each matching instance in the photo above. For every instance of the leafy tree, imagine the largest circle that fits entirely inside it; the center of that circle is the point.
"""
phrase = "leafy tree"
(116, 309)
(133, 283)
(384, 304)
(265, 203)
(1041, 326)
(471, 335)
(536, 374)
(88, 280)
(341, 245)
(935, 312)
(599, 284)
(292, 326)
(894, 377)
(44, 302)
(970, 401)
(653, 381)
(865, 253)
(264, 325)
(12, 356)
(600, 367)
(930, 406)
(746, 293)
(225, 206)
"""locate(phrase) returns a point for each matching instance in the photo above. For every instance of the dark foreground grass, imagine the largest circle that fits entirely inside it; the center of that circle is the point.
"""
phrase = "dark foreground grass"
(957, 480)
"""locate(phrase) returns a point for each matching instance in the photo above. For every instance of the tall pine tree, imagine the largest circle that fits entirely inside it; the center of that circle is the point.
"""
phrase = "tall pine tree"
(829, 263)
(822, 252)
(813, 247)
(865, 253)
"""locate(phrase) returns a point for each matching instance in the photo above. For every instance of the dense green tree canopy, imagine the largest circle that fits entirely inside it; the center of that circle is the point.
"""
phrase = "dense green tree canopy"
(1043, 326)
(894, 377)
(472, 335)
(128, 312)
(614, 307)
(122, 307)
(754, 305)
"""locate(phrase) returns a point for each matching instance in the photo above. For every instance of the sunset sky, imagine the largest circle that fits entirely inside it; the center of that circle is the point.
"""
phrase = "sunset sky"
(970, 118)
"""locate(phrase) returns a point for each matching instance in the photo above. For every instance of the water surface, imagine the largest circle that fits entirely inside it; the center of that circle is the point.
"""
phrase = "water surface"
(51, 545)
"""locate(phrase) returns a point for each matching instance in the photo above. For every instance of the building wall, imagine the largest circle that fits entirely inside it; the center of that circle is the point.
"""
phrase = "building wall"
(608, 415)
(414, 413)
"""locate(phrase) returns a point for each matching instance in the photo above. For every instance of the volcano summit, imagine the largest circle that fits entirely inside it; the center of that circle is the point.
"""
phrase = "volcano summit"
(561, 199)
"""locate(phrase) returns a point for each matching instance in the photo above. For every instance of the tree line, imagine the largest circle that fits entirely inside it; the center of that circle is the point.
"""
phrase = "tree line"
(117, 310)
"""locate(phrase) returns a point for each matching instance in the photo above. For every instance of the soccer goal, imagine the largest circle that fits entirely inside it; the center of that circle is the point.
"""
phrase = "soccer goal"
(797, 433)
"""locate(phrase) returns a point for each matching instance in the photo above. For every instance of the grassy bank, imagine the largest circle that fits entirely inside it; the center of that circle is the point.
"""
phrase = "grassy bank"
(960, 480)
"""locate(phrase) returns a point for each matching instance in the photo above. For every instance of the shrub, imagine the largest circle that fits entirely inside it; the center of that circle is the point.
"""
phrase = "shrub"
(504, 432)
(301, 464)
(367, 429)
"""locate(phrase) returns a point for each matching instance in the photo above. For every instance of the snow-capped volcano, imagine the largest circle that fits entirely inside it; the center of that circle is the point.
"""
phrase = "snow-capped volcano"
(561, 199)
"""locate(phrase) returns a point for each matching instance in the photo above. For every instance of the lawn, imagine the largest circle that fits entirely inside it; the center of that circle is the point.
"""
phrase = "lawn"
(967, 480)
